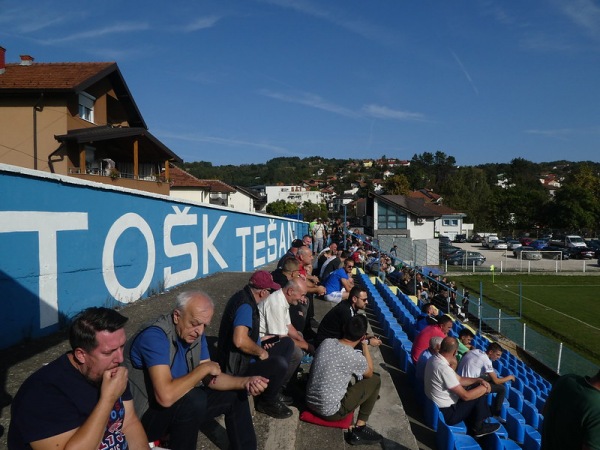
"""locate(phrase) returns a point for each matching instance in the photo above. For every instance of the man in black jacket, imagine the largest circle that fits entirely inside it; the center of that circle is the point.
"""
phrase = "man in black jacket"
(240, 349)
(332, 325)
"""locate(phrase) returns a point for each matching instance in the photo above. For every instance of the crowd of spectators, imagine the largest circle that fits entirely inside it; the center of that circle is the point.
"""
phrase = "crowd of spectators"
(162, 384)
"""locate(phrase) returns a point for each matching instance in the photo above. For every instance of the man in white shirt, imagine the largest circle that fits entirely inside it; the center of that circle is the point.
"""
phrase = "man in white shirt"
(447, 390)
(275, 317)
(478, 364)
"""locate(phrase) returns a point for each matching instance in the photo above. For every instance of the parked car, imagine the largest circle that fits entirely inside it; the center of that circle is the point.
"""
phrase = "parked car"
(465, 257)
(581, 253)
(539, 244)
(498, 244)
(551, 252)
(460, 238)
(489, 241)
(513, 243)
(526, 240)
(526, 252)
(594, 244)
(475, 239)
(449, 249)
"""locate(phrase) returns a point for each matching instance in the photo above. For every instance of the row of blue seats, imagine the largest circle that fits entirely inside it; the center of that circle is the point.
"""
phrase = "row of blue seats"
(392, 314)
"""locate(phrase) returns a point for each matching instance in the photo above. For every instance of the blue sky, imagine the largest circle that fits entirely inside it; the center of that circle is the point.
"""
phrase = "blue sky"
(244, 81)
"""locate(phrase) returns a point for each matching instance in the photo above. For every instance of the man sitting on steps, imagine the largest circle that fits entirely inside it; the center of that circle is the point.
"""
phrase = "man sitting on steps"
(328, 394)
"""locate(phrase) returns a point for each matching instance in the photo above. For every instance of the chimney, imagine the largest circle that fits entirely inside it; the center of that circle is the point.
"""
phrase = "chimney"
(2, 60)
(26, 60)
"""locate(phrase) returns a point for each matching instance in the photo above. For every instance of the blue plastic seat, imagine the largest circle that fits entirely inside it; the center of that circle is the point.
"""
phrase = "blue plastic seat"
(530, 413)
(517, 428)
(532, 440)
(495, 442)
(515, 398)
(446, 439)
(529, 394)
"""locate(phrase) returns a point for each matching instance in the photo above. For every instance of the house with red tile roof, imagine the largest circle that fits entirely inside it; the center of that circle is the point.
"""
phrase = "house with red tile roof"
(78, 119)
(215, 192)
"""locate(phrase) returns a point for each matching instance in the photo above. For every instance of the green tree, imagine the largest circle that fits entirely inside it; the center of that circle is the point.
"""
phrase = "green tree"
(310, 210)
(281, 208)
(576, 205)
(396, 185)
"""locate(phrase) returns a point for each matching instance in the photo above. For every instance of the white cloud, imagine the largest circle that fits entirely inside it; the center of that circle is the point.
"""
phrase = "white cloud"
(126, 27)
(354, 25)
(583, 13)
(311, 100)
(315, 101)
(383, 112)
(201, 23)
(466, 74)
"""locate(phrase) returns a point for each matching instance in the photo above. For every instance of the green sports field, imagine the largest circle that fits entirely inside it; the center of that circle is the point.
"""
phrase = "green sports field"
(564, 307)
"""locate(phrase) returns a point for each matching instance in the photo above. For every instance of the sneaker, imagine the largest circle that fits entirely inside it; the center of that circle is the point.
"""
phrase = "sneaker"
(275, 409)
(363, 436)
(485, 429)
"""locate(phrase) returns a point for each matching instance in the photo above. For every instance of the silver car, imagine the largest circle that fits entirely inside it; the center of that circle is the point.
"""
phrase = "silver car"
(526, 252)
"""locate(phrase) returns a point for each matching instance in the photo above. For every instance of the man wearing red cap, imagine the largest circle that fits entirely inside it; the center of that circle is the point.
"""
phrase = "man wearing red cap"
(240, 349)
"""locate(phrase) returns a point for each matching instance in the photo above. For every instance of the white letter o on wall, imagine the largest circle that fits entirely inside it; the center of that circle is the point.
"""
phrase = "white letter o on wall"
(126, 295)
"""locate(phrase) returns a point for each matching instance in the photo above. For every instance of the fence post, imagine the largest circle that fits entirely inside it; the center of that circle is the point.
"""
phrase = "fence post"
(479, 305)
(501, 266)
(524, 334)
(528, 266)
(559, 358)
(520, 299)
(499, 321)
(584, 266)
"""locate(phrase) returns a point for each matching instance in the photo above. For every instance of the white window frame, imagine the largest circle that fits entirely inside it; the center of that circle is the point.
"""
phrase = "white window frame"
(86, 106)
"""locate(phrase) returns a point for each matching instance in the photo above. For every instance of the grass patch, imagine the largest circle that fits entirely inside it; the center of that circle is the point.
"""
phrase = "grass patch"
(563, 307)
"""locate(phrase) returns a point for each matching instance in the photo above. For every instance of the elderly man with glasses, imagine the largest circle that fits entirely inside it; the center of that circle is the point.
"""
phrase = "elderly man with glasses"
(340, 282)
(241, 351)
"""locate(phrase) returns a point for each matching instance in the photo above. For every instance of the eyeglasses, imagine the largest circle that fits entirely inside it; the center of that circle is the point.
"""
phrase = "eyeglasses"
(350, 267)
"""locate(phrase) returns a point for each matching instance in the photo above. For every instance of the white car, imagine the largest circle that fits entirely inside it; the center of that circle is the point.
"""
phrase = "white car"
(499, 245)
(513, 244)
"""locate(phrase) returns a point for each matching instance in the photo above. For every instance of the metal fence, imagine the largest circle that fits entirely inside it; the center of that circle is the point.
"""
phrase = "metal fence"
(550, 352)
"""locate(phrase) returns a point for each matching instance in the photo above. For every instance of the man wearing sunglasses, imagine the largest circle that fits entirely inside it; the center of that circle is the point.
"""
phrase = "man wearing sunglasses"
(339, 283)
(332, 325)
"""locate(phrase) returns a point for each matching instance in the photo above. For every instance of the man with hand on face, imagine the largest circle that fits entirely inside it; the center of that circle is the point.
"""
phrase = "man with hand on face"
(82, 399)
(175, 385)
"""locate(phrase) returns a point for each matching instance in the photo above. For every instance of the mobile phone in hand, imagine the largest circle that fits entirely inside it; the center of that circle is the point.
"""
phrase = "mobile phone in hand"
(271, 340)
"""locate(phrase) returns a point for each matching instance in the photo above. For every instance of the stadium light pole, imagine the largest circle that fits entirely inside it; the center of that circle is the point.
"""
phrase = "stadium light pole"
(344, 225)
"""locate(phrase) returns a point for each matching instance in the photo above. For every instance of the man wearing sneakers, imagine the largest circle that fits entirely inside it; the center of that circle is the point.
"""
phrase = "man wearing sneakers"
(447, 390)
(328, 394)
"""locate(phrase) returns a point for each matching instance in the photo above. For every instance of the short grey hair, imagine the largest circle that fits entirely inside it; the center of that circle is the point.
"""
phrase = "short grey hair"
(184, 298)
(435, 342)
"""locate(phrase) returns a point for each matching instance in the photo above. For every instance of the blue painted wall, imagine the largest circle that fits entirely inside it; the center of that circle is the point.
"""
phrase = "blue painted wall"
(67, 244)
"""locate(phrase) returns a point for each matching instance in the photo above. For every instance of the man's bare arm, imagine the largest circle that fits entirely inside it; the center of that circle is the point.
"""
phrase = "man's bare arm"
(168, 389)
(133, 429)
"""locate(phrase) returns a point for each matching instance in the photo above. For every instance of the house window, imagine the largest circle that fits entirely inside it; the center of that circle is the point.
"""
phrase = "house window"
(450, 222)
(389, 217)
(86, 107)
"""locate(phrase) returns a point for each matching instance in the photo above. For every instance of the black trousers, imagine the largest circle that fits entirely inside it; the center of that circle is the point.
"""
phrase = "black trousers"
(473, 412)
(275, 367)
(182, 420)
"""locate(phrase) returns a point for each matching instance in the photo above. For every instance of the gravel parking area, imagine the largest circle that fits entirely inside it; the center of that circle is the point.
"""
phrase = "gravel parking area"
(503, 260)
